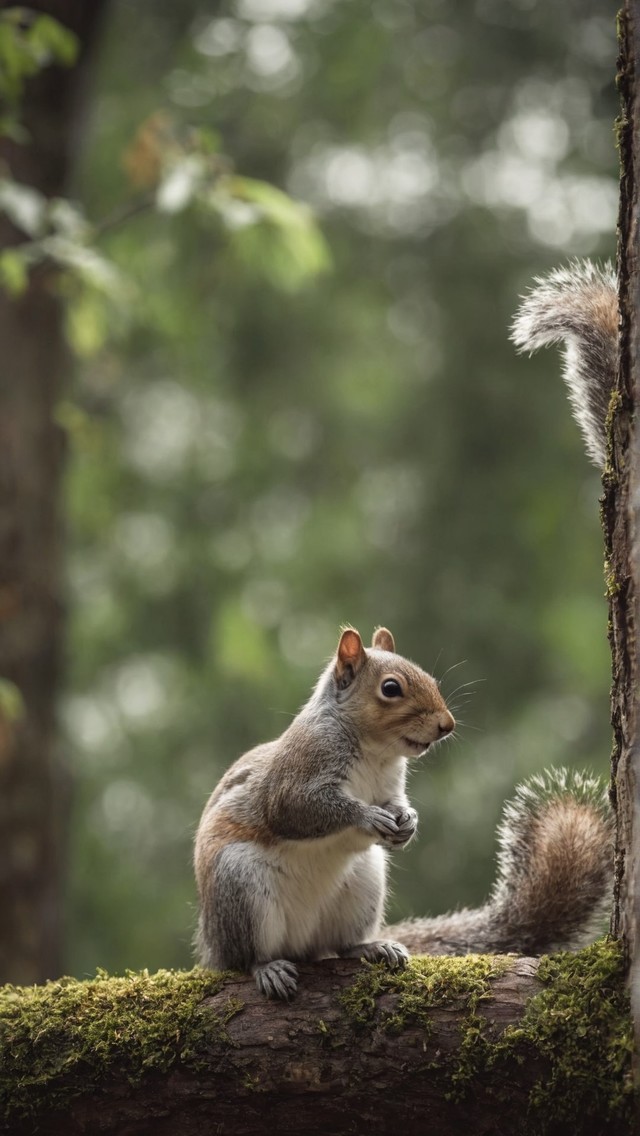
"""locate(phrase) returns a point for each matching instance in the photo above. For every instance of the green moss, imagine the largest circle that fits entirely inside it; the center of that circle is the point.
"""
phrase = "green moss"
(577, 1030)
(427, 982)
(59, 1040)
(615, 402)
(609, 474)
(612, 584)
(581, 1023)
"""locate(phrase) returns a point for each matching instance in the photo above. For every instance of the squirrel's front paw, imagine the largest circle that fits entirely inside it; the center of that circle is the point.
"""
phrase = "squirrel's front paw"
(394, 825)
(406, 820)
(382, 824)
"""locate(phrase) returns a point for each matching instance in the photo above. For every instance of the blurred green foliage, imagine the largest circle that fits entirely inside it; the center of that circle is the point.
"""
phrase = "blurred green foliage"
(28, 42)
(261, 451)
(178, 170)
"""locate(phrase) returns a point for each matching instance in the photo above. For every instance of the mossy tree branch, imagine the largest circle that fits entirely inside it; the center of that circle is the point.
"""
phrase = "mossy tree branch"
(451, 1046)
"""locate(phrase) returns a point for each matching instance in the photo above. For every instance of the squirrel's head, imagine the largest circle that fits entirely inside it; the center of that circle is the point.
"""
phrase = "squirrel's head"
(393, 703)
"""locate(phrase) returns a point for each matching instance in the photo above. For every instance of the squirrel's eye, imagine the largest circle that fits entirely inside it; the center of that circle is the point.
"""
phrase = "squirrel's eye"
(391, 689)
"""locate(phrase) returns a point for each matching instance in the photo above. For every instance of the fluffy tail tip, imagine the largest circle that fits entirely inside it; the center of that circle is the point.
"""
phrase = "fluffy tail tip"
(556, 859)
(567, 301)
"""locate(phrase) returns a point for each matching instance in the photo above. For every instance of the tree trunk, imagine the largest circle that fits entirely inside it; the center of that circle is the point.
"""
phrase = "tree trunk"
(452, 1046)
(621, 512)
(35, 364)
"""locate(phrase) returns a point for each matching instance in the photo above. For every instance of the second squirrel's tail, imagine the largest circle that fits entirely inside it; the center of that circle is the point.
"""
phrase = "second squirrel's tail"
(555, 870)
(578, 307)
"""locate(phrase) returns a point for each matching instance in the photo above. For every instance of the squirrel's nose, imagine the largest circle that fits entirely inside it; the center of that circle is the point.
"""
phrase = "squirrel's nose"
(446, 723)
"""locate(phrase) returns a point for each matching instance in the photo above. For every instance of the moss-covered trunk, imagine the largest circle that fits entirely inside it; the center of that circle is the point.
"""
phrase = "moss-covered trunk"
(483, 1045)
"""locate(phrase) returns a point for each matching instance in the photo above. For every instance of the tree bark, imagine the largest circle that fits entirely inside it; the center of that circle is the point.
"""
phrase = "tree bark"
(452, 1046)
(621, 513)
(33, 372)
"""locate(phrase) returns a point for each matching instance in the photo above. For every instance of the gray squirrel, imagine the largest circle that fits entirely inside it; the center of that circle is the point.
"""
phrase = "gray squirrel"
(290, 853)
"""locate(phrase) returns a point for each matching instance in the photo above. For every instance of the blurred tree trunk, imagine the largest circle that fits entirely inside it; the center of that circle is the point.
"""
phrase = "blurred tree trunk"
(35, 363)
(621, 514)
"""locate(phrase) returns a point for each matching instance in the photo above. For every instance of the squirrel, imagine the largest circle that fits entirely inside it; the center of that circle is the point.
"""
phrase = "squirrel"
(290, 853)
(577, 307)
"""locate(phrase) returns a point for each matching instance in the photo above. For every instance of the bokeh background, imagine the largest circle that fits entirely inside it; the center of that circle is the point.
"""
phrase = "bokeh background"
(264, 446)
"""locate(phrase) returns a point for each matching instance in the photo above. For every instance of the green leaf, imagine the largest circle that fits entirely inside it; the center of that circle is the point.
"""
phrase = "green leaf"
(11, 701)
(274, 234)
(52, 41)
(274, 203)
(10, 53)
(16, 61)
(90, 265)
(13, 271)
(287, 259)
(87, 322)
(26, 46)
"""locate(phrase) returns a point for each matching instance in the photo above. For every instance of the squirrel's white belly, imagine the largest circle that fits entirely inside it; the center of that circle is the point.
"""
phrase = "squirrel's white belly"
(375, 781)
(320, 887)
(314, 890)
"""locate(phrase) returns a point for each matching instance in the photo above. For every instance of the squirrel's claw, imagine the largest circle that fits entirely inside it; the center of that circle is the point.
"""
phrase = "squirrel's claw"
(277, 979)
(407, 824)
(392, 954)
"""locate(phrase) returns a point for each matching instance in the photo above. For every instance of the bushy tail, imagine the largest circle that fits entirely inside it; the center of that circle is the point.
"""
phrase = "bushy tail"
(578, 307)
(553, 888)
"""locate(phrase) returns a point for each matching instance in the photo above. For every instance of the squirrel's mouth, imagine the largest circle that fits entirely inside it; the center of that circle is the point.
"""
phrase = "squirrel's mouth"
(414, 746)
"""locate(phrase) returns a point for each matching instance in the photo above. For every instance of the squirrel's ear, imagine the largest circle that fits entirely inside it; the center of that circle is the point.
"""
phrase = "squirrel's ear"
(350, 658)
(383, 640)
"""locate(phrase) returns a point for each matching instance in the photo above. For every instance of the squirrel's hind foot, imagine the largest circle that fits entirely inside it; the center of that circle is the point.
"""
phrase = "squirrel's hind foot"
(392, 954)
(277, 979)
